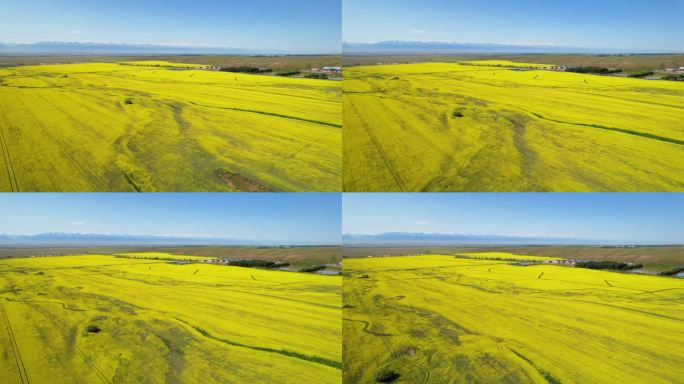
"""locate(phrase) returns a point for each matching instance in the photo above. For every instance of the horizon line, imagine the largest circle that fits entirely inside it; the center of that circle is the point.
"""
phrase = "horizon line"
(6, 237)
(573, 240)
(587, 50)
(169, 46)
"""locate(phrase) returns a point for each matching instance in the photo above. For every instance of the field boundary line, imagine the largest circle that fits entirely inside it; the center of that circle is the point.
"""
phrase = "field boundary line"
(13, 344)
(268, 114)
(283, 352)
(615, 129)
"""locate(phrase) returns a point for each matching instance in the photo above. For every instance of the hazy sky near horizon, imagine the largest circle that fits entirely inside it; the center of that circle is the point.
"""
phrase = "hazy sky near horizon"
(311, 217)
(654, 25)
(300, 26)
(629, 217)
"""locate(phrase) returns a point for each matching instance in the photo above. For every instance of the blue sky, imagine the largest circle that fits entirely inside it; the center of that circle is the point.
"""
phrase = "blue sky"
(301, 25)
(654, 25)
(629, 217)
(311, 217)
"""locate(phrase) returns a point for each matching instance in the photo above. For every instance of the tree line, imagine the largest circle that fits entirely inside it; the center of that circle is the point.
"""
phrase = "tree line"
(594, 70)
(611, 265)
(257, 264)
(246, 69)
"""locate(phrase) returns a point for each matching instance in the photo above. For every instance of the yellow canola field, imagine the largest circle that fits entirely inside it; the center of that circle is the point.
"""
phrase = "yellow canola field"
(113, 127)
(504, 63)
(153, 63)
(451, 127)
(161, 256)
(506, 256)
(442, 319)
(165, 323)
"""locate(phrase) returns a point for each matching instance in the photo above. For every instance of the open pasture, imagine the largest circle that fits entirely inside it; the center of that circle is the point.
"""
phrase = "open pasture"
(442, 319)
(115, 127)
(97, 318)
(452, 127)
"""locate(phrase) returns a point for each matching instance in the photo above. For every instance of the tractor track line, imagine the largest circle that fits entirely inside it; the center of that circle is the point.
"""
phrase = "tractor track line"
(61, 147)
(15, 348)
(420, 136)
(92, 366)
(388, 164)
(11, 175)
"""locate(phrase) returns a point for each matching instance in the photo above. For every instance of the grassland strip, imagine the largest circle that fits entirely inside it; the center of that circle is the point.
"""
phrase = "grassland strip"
(130, 181)
(397, 179)
(356, 292)
(64, 305)
(366, 325)
(528, 158)
(546, 375)
(283, 352)
(13, 344)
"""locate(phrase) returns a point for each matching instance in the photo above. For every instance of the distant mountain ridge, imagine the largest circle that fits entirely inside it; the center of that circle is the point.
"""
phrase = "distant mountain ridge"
(401, 46)
(59, 238)
(419, 238)
(83, 48)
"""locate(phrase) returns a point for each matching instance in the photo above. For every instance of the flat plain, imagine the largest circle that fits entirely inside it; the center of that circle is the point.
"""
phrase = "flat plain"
(99, 318)
(648, 255)
(635, 62)
(147, 127)
(460, 127)
(446, 319)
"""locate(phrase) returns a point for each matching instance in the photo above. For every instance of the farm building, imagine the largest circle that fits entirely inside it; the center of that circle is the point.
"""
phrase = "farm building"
(571, 262)
(327, 272)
